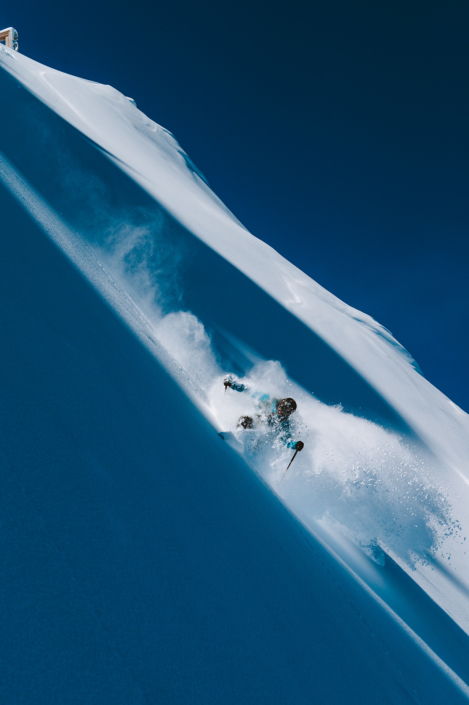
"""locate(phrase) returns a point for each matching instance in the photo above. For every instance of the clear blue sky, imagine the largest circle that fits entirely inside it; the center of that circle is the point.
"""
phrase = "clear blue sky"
(337, 132)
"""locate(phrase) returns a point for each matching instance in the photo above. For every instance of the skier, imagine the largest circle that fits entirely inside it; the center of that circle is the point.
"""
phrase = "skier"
(274, 412)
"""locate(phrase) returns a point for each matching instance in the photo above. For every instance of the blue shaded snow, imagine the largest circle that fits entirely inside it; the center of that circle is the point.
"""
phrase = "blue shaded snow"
(144, 560)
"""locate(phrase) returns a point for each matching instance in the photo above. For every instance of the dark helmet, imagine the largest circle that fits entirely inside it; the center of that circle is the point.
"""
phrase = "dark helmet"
(285, 407)
(246, 422)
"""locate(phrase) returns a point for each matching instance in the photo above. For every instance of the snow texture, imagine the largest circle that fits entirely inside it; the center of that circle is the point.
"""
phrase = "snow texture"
(145, 559)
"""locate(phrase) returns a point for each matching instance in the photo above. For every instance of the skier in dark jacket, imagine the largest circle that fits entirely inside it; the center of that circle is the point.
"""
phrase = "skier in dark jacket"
(274, 412)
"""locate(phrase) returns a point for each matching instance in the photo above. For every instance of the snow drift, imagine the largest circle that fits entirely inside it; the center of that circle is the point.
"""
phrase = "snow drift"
(168, 569)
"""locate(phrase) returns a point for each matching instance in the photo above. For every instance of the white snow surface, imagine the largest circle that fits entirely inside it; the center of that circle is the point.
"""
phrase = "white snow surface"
(382, 485)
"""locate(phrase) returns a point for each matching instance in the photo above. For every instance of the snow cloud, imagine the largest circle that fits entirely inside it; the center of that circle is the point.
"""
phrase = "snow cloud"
(365, 481)
(354, 475)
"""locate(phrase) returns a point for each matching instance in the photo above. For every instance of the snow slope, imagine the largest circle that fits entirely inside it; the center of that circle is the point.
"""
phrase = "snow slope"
(146, 560)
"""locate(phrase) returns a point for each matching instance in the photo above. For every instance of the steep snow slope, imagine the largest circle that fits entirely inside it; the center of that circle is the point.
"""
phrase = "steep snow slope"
(184, 568)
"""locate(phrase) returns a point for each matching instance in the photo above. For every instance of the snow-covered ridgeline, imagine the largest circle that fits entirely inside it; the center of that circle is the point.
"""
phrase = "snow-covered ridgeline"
(341, 355)
(153, 158)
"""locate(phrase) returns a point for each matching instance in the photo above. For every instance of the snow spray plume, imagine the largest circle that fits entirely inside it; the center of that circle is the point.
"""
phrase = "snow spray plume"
(351, 473)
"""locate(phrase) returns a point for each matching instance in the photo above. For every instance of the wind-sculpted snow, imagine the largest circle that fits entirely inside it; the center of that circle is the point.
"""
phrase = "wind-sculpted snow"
(214, 319)
(166, 280)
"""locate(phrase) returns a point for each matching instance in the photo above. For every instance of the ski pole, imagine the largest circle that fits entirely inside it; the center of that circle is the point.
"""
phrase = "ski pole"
(294, 456)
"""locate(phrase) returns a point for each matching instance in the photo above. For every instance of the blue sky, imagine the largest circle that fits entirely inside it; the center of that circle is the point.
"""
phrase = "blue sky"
(336, 132)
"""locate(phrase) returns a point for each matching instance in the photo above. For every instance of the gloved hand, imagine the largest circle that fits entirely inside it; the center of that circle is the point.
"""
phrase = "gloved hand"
(299, 445)
(227, 382)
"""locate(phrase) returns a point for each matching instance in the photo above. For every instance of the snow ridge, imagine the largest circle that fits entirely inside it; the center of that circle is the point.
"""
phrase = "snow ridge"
(160, 265)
